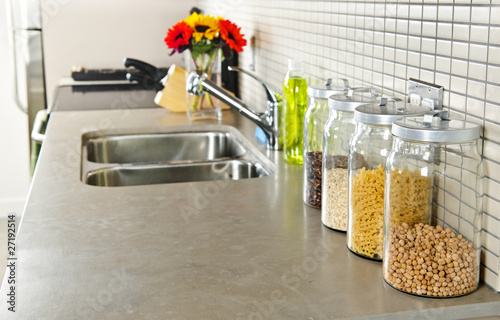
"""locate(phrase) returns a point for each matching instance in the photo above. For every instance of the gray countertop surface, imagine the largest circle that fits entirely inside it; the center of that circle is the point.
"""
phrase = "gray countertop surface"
(246, 249)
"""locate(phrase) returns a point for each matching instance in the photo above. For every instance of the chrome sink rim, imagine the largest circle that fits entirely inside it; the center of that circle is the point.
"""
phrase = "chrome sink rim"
(251, 154)
(108, 148)
(113, 176)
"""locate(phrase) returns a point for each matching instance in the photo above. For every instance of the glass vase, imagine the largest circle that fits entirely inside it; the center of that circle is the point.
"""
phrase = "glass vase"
(204, 106)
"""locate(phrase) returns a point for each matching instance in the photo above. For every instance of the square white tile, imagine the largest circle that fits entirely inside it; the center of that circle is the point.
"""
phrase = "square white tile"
(479, 34)
(461, 14)
(445, 12)
(494, 35)
(480, 15)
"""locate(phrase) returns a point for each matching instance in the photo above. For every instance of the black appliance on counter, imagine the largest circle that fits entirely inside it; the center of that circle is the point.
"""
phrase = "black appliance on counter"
(103, 96)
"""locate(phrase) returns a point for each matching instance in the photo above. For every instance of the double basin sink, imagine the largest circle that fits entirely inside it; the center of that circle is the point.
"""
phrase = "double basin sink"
(176, 154)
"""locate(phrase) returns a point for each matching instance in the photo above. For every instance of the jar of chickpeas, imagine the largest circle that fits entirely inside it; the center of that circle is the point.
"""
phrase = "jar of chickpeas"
(433, 205)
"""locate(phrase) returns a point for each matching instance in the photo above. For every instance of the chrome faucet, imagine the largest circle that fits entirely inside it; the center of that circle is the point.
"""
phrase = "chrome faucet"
(268, 121)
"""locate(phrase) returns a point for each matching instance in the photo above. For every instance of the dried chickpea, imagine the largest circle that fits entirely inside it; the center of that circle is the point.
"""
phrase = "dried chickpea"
(427, 260)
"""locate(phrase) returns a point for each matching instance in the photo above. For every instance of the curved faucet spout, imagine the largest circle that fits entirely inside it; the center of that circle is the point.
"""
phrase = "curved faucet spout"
(270, 93)
(268, 121)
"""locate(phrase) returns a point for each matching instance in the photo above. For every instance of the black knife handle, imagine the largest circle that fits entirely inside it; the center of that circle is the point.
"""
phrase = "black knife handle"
(156, 73)
(146, 81)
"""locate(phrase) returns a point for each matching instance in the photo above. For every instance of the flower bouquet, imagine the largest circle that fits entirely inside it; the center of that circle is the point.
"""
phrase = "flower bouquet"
(205, 40)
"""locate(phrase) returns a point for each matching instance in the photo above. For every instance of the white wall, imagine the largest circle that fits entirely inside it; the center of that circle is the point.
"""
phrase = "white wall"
(100, 34)
(14, 140)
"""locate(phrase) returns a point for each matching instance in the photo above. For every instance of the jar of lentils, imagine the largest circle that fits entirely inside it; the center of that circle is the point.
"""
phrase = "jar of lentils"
(314, 122)
(337, 135)
(433, 207)
(370, 145)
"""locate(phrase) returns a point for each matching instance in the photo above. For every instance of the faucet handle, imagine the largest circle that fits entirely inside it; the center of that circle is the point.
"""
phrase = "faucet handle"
(346, 83)
(194, 83)
(270, 93)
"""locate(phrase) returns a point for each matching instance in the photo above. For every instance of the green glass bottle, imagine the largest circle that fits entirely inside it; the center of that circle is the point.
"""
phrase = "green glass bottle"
(292, 115)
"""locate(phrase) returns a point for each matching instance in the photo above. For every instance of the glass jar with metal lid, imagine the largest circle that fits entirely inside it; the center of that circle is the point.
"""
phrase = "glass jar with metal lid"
(314, 122)
(433, 206)
(370, 145)
(336, 137)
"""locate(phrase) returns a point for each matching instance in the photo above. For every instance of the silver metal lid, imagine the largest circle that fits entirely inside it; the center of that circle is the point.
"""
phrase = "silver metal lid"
(388, 110)
(430, 128)
(348, 101)
(327, 89)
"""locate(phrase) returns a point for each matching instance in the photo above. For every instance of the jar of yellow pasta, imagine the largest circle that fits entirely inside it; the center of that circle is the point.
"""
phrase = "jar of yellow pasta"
(433, 206)
(369, 148)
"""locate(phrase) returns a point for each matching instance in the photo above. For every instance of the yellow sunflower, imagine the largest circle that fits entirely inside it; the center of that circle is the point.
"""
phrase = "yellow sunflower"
(203, 26)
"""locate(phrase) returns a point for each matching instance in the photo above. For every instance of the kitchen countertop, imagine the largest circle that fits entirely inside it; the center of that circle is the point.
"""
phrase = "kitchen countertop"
(246, 249)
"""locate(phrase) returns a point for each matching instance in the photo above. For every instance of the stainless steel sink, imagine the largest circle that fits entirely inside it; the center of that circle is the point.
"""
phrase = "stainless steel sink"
(175, 146)
(176, 154)
(153, 174)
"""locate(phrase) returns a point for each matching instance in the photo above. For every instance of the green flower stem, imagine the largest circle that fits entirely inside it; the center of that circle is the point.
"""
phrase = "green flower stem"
(194, 102)
(203, 62)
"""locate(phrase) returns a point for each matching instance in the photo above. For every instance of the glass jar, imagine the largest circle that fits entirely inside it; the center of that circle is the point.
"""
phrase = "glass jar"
(314, 122)
(433, 207)
(370, 145)
(337, 134)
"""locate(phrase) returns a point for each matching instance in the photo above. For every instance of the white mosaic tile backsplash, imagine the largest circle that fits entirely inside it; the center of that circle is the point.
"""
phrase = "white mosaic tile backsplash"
(455, 44)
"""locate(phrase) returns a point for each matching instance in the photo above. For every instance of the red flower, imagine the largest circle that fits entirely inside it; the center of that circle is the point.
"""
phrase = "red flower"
(178, 37)
(230, 33)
